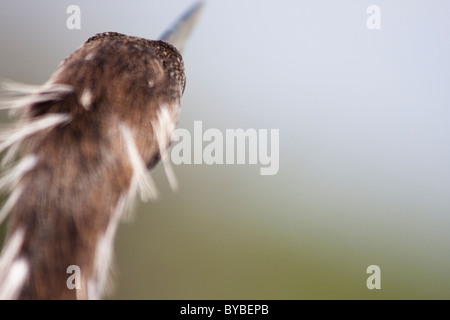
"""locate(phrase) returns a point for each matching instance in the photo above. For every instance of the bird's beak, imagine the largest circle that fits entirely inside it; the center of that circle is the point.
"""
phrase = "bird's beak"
(180, 30)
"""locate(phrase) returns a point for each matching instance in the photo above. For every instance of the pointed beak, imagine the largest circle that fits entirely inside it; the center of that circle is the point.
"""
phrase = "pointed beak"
(180, 30)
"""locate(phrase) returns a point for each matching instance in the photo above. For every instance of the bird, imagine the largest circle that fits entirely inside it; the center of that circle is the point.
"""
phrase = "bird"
(79, 153)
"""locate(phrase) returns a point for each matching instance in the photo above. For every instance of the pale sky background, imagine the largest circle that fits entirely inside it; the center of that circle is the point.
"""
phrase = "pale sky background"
(363, 117)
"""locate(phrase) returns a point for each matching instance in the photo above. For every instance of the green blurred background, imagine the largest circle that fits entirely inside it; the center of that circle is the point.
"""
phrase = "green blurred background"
(364, 146)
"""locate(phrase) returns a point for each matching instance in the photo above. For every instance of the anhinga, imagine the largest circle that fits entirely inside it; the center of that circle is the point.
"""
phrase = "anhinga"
(79, 152)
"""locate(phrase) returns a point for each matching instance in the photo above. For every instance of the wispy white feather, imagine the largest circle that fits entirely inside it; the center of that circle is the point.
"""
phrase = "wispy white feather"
(14, 95)
(10, 202)
(142, 179)
(13, 271)
(10, 178)
(10, 87)
(104, 253)
(10, 154)
(163, 130)
(15, 279)
(26, 128)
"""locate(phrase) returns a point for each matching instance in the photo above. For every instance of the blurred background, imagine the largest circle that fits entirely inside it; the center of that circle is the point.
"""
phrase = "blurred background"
(364, 174)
